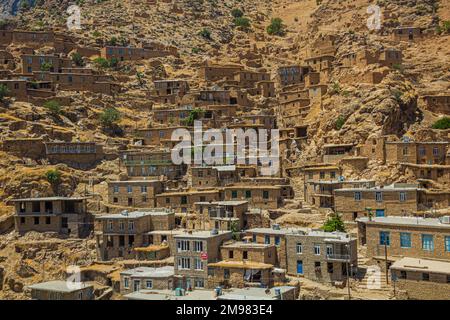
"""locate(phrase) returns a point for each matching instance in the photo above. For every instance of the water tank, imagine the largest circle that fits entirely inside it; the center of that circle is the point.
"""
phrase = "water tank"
(214, 231)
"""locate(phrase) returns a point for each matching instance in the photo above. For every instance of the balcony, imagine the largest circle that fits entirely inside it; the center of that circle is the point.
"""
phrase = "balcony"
(338, 257)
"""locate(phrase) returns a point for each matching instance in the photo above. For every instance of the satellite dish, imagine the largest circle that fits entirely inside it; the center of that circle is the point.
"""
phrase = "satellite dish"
(341, 178)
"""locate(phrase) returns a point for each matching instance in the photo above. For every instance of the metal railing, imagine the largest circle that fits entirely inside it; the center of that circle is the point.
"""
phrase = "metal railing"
(338, 257)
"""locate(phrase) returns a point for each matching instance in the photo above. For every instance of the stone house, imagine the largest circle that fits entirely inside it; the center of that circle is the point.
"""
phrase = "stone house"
(436, 172)
(33, 148)
(211, 72)
(321, 256)
(394, 200)
(208, 177)
(6, 60)
(265, 197)
(119, 234)
(60, 290)
(184, 201)
(422, 279)
(32, 63)
(66, 216)
(140, 278)
(243, 264)
(291, 75)
(320, 63)
(80, 155)
(437, 103)
(407, 34)
(131, 53)
(413, 237)
(134, 193)
(195, 250)
(333, 153)
(158, 135)
(220, 215)
(171, 87)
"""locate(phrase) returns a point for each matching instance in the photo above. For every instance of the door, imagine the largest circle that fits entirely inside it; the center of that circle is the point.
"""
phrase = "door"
(299, 267)
(379, 213)
(136, 285)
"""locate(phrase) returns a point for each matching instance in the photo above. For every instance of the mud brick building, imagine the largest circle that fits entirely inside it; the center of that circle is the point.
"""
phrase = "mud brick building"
(320, 63)
(435, 172)
(6, 60)
(291, 75)
(134, 193)
(80, 155)
(416, 152)
(194, 251)
(119, 234)
(220, 215)
(157, 136)
(171, 87)
(407, 34)
(16, 88)
(66, 216)
(130, 53)
(31, 63)
(33, 148)
(265, 197)
(151, 164)
(147, 278)
(422, 279)
(207, 177)
(414, 237)
(249, 79)
(321, 256)
(437, 103)
(243, 264)
(59, 290)
(211, 72)
(206, 97)
(393, 200)
(184, 201)
(333, 153)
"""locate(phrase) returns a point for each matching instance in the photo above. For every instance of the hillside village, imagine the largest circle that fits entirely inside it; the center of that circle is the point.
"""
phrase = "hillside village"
(89, 190)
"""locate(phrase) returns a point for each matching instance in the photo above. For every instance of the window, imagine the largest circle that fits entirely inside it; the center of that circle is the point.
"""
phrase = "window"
(36, 220)
(267, 239)
(234, 194)
(333, 175)
(143, 189)
(254, 238)
(167, 200)
(226, 273)
(115, 199)
(131, 225)
(298, 248)
(126, 283)
(435, 151)
(198, 264)
(198, 246)
(277, 240)
(182, 245)
(116, 189)
(378, 197)
(48, 220)
(129, 189)
(248, 194)
(199, 283)
(358, 196)
(385, 238)
(322, 175)
(330, 268)
(245, 255)
(402, 196)
(330, 249)
(22, 220)
(183, 199)
(110, 225)
(422, 151)
(231, 254)
(427, 242)
(184, 263)
(121, 225)
(405, 151)
(403, 275)
(148, 284)
(405, 240)
(425, 276)
(317, 249)
(447, 243)
(265, 194)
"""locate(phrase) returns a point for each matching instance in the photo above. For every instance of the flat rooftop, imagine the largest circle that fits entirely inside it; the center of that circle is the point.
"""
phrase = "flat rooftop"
(406, 221)
(254, 293)
(282, 231)
(422, 265)
(170, 295)
(162, 272)
(59, 286)
(200, 234)
(241, 244)
(50, 199)
(133, 181)
(223, 203)
(136, 214)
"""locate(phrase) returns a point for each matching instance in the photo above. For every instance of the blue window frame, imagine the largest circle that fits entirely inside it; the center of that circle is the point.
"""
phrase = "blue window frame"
(405, 240)
(447, 243)
(385, 238)
(277, 241)
(427, 242)
(267, 239)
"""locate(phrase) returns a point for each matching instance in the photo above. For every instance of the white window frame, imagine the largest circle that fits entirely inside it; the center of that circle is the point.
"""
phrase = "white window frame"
(317, 249)
(298, 246)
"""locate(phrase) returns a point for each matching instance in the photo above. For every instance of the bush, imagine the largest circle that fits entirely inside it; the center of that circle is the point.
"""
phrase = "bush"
(53, 106)
(53, 176)
(77, 59)
(109, 117)
(340, 121)
(237, 13)
(334, 223)
(105, 63)
(205, 33)
(242, 22)
(276, 27)
(446, 26)
(194, 114)
(46, 66)
(442, 124)
(4, 91)
(336, 88)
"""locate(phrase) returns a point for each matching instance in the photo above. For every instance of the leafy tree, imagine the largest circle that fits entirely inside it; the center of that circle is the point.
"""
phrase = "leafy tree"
(109, 117)
(442, 124)
(334, 223)
(194, 114)
(102, 63)
(4, 91)
(46, 66)
(77, 59)
(205, 33)
(276, 27)
(53, 176)
(235, 232)
(242, 22)
(340, 121)
(112, 41)
(237, 13)
(53, 106)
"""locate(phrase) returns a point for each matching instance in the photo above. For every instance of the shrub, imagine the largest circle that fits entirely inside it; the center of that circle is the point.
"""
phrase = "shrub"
(46, 66)
(446, 26)
(109, 117)
(442, 124)
(334, 223)
(4, 91)
(53, 176)
(53, 106)
(105, 63)
(237, 13)
(340, 121)
(242, 22)
(194, 114)
(335, 88)
(77, 59)
(205, 33)
(276, 27)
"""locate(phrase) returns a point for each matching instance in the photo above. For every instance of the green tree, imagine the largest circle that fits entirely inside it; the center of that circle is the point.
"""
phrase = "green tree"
(4, 91)
(194, 114)
(109, 117)
(53, 106)
(237, 13)
(276, 27)
(334, 223)
(235, 232)
(340, 121)
(442, 124)
(53, 176)
(242, 22)
(205, 33)
(77, 59)
(46, 66)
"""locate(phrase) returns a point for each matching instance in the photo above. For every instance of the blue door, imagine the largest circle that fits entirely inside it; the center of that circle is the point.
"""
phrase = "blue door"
(379, 213)
(299, 267)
